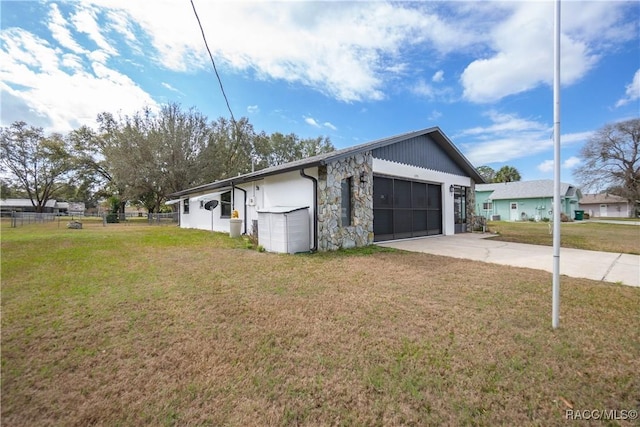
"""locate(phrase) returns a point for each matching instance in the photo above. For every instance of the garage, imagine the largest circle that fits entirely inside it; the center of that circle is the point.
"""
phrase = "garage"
(404, 208)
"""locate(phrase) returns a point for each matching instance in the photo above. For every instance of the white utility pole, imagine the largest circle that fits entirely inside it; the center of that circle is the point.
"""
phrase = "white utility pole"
(555, 310)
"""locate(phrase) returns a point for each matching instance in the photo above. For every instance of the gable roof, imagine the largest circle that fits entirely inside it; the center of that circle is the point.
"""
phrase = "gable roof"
(527, 189)
(322, 159)
(602, 198)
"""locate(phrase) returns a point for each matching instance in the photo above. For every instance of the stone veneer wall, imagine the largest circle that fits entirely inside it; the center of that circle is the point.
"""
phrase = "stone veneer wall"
(331, 234)
(471, 203)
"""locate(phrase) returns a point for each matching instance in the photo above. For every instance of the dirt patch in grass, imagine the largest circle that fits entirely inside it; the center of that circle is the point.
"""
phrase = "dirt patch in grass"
(618, 238)
(179, 327)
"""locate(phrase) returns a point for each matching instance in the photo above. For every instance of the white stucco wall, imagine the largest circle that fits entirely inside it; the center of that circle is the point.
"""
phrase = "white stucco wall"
(287, 189)
(200, 218)
(291, 189)
(400, 170)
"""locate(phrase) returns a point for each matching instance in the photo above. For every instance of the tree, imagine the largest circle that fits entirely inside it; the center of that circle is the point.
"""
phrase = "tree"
(229, 150)
(278, 148)
(611, 158)
(487, 173)
(40, 165)
(507, 174)
(148, 156)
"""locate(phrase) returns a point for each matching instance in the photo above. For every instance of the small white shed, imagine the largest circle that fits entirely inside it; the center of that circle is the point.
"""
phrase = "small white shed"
(284, 229)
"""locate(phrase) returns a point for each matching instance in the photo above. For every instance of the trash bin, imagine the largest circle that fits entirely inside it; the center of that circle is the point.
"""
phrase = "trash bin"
(579, 215)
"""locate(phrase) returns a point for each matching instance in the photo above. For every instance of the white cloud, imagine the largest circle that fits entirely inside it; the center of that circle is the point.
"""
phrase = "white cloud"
(632, 92)
(46, 87)
(571, 162)
(171, 88)
(252, 109)
(430, 92)
(435, 115)
(311, 121)
(510, 137)
(58, 27)
(546, 166)
(346, 50)
(329, 125)
(521, 56)
(438, 77)
(85, 22)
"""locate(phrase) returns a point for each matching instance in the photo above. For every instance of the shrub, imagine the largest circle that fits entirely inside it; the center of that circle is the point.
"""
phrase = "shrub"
(112, 218)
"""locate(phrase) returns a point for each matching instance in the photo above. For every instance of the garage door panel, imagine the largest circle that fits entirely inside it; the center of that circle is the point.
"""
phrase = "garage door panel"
(404, 208)
(434, 222)
(419, 223)
(402, 223)
(383, 224)
(435, 196)
(401, 194)
(382, 192)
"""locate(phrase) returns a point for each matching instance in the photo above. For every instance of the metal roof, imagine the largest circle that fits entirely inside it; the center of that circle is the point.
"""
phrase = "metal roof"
(322, 159)
(526, 189)
(602, 198)
(24, 203)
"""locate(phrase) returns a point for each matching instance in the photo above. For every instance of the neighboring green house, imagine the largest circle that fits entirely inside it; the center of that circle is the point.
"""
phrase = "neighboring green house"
(524, 200)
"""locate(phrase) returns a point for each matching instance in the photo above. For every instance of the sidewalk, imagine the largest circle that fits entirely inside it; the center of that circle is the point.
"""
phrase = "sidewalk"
(594, 265)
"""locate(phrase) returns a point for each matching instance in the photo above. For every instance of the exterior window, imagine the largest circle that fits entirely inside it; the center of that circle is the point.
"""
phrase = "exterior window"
(346, 201)
(225, 205)
(487, 206)
(185, 206)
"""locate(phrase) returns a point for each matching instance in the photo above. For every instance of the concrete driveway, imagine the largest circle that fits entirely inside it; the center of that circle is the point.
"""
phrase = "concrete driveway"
(602, 266)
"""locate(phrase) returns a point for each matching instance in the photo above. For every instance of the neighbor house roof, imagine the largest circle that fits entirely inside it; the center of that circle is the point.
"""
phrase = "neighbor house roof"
(322, 159)
(23, 203)
(527, 189)
(602, 198)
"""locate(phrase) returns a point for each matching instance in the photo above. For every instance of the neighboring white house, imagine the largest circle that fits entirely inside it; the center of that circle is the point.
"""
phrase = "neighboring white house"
(606, 205)
(410, 185)
(52, 206)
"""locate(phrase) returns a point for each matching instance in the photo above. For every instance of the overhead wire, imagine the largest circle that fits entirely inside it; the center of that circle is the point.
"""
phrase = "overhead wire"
(215, 69)
(234, 123)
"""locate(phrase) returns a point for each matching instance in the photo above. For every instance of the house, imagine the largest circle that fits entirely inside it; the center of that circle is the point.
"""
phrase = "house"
(25, 205)
(409, 185)
(606, 205)
(524, 200)
(51, 207)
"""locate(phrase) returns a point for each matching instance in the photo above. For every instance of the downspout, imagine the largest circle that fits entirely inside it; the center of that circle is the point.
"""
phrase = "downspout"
(233, 203)
(245, 208)
(315, 209)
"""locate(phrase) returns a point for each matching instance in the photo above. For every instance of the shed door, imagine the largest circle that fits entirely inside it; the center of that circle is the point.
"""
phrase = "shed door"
(513, 211)
(403, 208)
(603, 210)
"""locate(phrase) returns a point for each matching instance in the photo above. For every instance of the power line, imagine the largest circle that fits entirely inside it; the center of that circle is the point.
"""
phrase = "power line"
(212, 61)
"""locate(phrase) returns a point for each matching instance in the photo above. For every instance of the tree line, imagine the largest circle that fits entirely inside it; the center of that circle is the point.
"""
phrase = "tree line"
(144, 157)
(139, 158)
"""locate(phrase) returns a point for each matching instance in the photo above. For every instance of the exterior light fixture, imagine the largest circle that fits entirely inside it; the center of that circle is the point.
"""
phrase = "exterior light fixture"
(451, 189)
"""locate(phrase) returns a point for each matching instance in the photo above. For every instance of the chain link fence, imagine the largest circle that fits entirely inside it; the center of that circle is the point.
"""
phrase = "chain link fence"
(19, 219)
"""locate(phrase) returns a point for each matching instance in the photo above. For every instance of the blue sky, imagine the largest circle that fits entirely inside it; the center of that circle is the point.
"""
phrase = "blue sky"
(352, 71)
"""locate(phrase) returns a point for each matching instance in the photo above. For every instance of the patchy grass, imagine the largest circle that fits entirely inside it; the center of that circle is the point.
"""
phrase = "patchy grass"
(593, 236)
(139, 325)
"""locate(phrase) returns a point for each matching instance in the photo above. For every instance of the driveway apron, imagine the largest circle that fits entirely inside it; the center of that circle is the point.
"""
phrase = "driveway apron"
(594, 265)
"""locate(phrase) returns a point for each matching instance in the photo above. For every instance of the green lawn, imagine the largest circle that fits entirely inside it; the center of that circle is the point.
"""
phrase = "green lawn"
(594, 236)
(137, 325)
